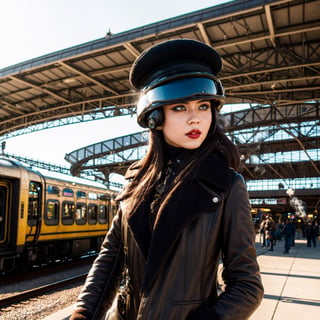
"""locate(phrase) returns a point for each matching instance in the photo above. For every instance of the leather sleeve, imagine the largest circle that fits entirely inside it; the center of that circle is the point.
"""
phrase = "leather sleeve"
(243, 286)
(103, 278)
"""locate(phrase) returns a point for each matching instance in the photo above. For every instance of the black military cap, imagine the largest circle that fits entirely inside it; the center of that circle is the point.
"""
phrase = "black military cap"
(175, 70)
(168, 59)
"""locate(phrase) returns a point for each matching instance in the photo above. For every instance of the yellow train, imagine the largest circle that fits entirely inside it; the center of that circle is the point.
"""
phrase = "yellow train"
(47, 216)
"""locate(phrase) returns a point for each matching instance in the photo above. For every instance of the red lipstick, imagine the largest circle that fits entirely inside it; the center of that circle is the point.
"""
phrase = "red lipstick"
(194, 134)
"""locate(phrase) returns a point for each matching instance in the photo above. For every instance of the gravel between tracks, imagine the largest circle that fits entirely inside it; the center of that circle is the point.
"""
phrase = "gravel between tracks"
(41, 306)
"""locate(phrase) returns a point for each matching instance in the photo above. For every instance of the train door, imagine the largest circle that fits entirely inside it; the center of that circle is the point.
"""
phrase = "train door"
(5, 191)
(34, 211)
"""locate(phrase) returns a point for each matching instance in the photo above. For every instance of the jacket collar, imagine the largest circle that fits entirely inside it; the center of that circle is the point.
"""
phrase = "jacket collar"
(200, 194)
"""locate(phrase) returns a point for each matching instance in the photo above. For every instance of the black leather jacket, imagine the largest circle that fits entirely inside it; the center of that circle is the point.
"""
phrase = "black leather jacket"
(174, 274)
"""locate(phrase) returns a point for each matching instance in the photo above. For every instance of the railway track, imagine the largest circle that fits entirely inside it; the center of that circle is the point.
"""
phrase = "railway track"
(17, 298)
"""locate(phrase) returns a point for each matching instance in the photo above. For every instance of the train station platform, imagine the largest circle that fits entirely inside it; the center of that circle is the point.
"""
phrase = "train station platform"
(291, 282)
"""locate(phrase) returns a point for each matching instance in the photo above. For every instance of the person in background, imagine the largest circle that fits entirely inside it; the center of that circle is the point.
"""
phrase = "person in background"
(288, 232)
(311, 233)
(270, 230)
(184, 207)
(263, 232)
(279, 231)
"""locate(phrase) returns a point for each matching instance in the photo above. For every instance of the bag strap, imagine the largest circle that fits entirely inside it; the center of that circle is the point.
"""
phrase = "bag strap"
(125, 249)
(125, 239)
(125, 288)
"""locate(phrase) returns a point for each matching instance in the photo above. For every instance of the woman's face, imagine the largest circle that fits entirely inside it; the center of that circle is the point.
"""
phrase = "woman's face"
(186, 124)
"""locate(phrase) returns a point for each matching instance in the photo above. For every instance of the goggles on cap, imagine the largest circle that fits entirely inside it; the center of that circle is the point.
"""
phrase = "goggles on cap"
(179, 90)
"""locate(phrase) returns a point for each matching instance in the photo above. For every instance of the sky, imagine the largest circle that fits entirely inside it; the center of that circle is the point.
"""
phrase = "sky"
(32, 28)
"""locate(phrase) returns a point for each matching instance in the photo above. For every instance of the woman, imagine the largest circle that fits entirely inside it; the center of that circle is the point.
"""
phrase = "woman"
(184, 208)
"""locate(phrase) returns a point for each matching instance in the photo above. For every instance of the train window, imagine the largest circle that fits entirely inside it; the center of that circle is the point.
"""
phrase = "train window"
(67, 212)
(52, 212)
(104, 197)
(81, 213)
(53, 190)
(34, 203)
(92, 213)
(67, 192)
(103, 214)
(92, 196)
(81, 194)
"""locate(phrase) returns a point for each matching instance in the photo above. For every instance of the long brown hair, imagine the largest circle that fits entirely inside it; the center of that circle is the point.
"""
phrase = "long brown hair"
(153, 163)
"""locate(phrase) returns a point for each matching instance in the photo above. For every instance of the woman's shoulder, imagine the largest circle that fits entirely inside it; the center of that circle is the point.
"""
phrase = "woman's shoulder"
(133, 170)
(235, 176)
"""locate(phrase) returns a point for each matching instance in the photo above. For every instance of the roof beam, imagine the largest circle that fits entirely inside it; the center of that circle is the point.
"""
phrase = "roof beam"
(37, 87)
(59, 108)
(131, 49)
(6, 110)
(10, 108)
(270, 24)
(206, 39)
(271, 82)
(302, 148)
(244, 40)
(203, 33)
(307, 88)
(296, 66)
(111, 70)
(77, 71)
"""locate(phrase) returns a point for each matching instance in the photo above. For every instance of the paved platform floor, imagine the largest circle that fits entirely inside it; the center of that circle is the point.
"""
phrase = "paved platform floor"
(291, 282)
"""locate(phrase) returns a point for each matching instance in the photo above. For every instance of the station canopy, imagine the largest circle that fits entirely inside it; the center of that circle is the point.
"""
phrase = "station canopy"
(270, 51)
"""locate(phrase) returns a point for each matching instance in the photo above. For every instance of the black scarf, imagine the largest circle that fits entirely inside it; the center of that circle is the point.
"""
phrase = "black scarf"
(176, 157)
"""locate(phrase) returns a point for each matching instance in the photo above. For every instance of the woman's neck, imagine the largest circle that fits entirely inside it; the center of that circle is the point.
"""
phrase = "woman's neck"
(176, 155)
